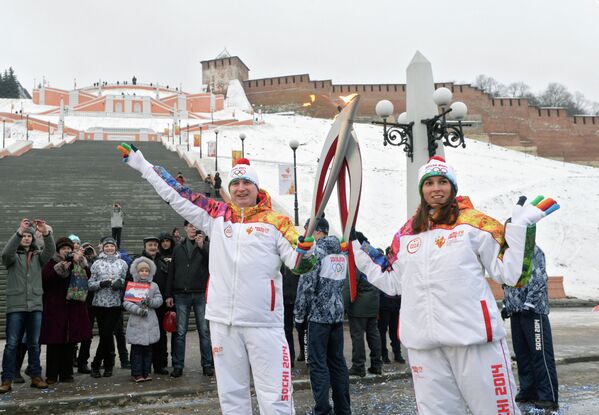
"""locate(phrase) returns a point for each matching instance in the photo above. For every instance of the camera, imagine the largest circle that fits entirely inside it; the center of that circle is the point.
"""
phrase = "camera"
(88, 251)
(69, 257)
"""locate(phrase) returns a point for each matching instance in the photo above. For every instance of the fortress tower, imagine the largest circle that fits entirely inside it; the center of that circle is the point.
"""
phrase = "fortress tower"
(217, 72)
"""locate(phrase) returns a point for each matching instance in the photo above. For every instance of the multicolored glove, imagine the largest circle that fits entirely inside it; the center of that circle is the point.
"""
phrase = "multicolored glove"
(134, 158)
(304, 244)
(529, 214)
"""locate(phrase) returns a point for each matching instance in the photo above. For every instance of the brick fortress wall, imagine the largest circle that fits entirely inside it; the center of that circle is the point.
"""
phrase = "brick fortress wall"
(509, 122)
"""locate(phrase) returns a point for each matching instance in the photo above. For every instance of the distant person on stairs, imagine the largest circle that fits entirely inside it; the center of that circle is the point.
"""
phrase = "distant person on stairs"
(116, 223)
(24, 262)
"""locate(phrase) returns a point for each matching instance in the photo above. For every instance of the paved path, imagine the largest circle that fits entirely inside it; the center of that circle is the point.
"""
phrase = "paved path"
(575, 331)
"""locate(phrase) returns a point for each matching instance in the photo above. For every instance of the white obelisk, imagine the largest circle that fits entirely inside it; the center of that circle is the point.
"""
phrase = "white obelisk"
(419, 106)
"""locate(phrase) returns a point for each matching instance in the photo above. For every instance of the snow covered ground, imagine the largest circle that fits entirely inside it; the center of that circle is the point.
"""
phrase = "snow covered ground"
(492, 176)
(17, 133)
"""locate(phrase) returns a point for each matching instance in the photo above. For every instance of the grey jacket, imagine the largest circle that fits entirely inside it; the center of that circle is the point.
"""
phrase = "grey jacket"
(116, 218)
(143, 330)
(108, 267)
(320, 291)
(24, 286)
(532, 296)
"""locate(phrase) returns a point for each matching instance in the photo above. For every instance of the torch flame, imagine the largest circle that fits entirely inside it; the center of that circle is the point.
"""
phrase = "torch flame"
(312, 99)
(348, 98)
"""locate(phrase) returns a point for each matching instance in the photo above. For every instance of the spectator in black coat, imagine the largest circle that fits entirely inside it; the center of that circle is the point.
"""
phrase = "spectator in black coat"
(186, 288)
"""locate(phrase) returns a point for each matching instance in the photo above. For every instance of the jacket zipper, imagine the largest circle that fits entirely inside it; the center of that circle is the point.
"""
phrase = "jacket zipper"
(428, 284)
(235, 269)
(272, 295)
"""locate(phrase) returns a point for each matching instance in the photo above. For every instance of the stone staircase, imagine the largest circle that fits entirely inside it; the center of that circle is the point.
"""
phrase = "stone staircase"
(73, 189)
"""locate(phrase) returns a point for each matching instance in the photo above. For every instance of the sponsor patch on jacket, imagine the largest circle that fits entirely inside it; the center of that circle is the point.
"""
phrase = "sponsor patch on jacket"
(249, 230)
(455, 237)
(229, 231)
(414, 245)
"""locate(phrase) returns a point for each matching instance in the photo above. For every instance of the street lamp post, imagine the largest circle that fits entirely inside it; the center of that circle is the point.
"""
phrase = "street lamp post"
(242, 138)
(27, 128)
(48, 132)
(179, 126)
(216, 131)
(188, 137)
(294, 144)
(3, 133)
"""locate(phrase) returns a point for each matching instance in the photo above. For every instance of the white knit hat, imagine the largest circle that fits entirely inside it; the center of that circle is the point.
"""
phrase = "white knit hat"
(437, 166)
(243, 170)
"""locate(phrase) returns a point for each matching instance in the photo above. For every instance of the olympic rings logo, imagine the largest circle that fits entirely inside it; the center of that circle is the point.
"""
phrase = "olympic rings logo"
(338, 268)
(437, 168)
(238, 172)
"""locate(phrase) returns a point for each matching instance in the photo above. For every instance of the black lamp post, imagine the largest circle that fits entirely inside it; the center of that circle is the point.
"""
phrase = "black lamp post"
(179, 127)
(216, 131)
(27, 128)
(242, 138)
(48, 132)
(294, 144)
(3, 133)
(200, 141)
(187, 137)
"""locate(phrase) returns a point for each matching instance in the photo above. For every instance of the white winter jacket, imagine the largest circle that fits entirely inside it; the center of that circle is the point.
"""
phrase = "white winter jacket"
(440, 274)
(246, 249)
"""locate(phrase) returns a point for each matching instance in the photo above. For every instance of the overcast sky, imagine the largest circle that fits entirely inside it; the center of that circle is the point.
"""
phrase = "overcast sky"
(534, 41)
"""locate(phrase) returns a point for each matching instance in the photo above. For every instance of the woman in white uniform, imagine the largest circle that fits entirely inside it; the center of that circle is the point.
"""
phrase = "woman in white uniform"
(449, 321)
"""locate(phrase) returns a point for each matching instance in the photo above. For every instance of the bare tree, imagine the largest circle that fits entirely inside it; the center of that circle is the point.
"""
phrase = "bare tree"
(518, 90)
(489, 85)
(555, 95)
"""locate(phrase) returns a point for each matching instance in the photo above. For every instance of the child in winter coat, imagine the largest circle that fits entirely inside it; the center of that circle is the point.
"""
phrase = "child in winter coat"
(143, 328)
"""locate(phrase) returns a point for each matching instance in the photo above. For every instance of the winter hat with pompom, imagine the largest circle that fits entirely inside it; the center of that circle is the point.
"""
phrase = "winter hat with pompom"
(243, 171)
(437, 166)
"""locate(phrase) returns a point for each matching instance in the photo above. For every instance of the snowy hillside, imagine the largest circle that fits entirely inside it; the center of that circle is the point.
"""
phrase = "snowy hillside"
(492, 176)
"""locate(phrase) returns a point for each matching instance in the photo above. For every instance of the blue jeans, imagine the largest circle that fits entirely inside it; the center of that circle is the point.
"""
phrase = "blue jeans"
(141, 360)
(183, 305)
(17, 324)
(328, 369)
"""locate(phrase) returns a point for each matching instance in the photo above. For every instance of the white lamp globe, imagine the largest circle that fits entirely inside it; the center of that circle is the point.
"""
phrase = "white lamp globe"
(384, 108)
(294, 144)
(458, 110)
(442, 96)
(403, 118)
(242, 136)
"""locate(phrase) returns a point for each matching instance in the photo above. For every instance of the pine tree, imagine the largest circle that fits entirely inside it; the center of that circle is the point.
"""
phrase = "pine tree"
(3, 84)
(13, 91)
(9, 85)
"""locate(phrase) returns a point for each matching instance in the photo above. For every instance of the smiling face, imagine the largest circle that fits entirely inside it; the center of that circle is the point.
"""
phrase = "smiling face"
(143, 272)
(109, 249)
(243, 193)
(436, 191)
(151, 247)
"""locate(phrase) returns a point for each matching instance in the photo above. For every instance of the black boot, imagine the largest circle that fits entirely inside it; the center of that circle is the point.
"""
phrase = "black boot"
(107, 372)
(95, 372)
(82, 368)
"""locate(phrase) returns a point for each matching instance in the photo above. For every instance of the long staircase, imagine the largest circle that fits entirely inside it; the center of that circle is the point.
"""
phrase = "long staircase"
(73, 189)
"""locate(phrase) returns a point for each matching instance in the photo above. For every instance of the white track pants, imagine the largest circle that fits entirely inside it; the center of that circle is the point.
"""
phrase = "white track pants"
(449, 379)
(263, 349)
